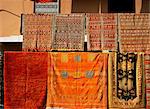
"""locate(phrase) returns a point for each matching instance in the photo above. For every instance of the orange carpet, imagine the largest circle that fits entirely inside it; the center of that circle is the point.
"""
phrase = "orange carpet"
(77, 80)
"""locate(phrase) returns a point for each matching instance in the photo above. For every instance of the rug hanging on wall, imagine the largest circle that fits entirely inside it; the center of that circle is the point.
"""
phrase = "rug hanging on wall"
(47, 6)
(126, 88)
(45, 1)
(77, 81)
(1, 79)
(147, 75)
(69, 33)
(102, 31)
(134, 32)
(25, 79)
(37, 32)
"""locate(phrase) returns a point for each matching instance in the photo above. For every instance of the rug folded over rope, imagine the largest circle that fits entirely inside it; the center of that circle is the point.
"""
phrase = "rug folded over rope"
(147, 73)
(77, 81)
(126, 88)
(37, 32)
(45, 1)
(134, 32)
(47, 6)
(69, 33)
(25, 79)
(102, 31)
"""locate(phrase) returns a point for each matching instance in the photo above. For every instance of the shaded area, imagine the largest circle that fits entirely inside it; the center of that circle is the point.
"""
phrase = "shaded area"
(85, 6)
(120, 6)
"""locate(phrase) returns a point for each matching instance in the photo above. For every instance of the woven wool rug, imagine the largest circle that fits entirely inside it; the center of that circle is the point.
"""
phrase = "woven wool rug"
(37, 32)
(147, 73)
(47, 6)
(102, 31)
(1, 78)
(77, 80)
(126, 88)
(25, 79)
(69, 33)
(134, 32)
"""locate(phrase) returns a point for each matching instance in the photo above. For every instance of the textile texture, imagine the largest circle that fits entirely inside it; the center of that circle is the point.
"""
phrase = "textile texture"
(25, 79)
(37, 32)
(69, 33)
(134, 32)
(147, 73)
(102, 31)
(77, 80)
(126, 89)
(1, 79)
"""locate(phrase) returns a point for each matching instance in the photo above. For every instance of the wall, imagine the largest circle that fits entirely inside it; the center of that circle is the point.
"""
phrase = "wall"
(65, 6)
(10, 24)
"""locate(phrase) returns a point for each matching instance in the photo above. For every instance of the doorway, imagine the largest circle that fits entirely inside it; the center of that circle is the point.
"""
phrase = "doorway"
(121, 6)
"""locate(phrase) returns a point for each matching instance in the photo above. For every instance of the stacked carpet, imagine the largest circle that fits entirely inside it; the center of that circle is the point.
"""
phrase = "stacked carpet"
(37, 31)
(77, 81)
(134, 32)
(102, 31)
(126, 88)
(69, 33)
(1, 78)
(25, 80)
(147, 73)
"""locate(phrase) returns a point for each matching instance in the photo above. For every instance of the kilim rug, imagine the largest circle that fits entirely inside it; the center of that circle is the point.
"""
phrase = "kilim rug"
(147, 73)
(134, 32)
(37, 32)
(77, 80)
(69, 33)
(126, 89)
(25, 79)
(47, 7)
(102, 31)
(1, 79)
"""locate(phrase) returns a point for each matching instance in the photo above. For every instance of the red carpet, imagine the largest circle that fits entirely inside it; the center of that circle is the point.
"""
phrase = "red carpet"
(25, 79)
